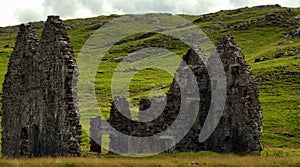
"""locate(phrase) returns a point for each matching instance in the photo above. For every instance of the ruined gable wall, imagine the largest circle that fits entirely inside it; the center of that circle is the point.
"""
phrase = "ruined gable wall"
(40, 113)
(240, 126)
(59, 87)
(17, 112)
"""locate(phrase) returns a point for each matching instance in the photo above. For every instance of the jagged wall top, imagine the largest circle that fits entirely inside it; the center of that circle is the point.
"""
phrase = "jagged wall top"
(40, 113)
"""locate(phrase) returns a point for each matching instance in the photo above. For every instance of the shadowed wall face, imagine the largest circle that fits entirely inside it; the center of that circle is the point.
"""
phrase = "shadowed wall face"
(40, 113)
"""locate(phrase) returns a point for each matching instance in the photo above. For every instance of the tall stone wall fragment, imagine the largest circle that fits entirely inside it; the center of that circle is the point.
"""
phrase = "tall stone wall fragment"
(19, 122)
(196, 64)
(40, 113)
(240, 126)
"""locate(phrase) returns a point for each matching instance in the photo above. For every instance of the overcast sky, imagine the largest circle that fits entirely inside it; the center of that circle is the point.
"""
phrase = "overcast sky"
(14, 12)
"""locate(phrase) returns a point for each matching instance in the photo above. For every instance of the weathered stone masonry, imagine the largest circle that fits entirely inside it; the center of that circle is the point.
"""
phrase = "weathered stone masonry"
(40, 113)
(240, 126)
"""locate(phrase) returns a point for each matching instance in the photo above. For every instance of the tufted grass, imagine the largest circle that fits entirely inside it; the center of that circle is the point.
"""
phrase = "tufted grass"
(179, 159)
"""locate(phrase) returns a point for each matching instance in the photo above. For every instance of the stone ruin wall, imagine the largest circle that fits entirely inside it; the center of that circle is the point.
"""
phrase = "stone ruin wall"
(40, 113)
(239, 129)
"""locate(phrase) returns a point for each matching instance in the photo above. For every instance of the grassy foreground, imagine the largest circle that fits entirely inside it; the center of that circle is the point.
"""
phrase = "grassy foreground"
(179, 159)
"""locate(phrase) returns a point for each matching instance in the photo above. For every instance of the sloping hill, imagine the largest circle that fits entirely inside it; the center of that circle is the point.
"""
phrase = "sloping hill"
(268, 35)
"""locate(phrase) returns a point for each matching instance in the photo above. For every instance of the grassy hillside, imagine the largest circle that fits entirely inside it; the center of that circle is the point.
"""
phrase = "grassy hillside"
(261, 32)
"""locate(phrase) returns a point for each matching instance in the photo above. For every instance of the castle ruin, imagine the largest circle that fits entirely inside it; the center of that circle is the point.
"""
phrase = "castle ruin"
(41, 117)
(240, 126)
(40, 113)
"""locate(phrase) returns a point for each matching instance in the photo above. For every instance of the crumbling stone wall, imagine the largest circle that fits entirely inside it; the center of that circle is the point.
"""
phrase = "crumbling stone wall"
(240, 127)
(194, 62)
(18, 120)
(121, 121)
(40, 113)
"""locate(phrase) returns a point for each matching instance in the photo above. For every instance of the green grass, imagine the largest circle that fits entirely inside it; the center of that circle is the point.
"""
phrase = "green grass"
(278, 78)
(179, 159)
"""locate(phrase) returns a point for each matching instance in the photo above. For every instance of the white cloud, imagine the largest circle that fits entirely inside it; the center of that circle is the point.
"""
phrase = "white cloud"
(18, 11)
(6, 15)
(15, 11)
(286, 3)
(83, 13)
(107, 9)
(28, 14)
